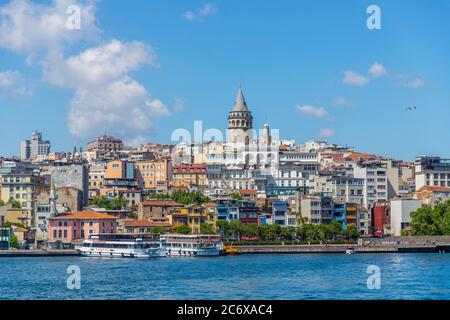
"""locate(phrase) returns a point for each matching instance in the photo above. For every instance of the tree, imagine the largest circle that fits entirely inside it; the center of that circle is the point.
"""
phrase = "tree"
(206, 228)
(237, 196)
(159, 230)
(110, 204)
(428, 221)
(352, 232)
(14, 242)
(159, 196)
(183, 229)
(16, 204)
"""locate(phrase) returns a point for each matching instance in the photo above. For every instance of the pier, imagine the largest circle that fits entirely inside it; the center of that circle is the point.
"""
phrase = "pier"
(37, 253)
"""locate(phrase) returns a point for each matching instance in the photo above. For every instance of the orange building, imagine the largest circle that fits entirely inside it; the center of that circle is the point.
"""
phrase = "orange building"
(153, 175)
(119, 179)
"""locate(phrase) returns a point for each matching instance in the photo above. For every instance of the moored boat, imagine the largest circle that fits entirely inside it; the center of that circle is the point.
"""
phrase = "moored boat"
(180, 245)
(120, 246)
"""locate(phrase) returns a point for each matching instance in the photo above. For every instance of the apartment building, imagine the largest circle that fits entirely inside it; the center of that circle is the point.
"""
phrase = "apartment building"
(153, 176)
(375, 176)
(432, 171)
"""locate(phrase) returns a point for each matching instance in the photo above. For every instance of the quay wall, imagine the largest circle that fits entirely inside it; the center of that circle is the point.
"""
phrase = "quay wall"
(37, 253)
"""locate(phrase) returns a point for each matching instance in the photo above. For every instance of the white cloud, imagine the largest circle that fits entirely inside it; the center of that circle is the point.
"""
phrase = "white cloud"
(377, 70)
(410, 82)
(99, 65)
(341, 102)
(326, 133)
(209, 9)
(28, 27)
(107, 99)
(318, 112)
(13, 84)
(354, 79)
(123, 108)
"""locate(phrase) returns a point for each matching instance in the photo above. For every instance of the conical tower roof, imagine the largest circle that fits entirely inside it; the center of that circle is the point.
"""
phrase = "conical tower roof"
(240, 105)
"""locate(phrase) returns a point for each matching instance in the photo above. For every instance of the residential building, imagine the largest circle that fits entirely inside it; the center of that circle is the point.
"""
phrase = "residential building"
(67, 229)
(96, 177)
(153, 176)
(157, 210)
(22, 188)
(432, 195)
(343, 189)
(281, 215)
(72, 176)
(375, 175)
(432, 171)
(189, 175)
(140, 226)
(401, 214)
(380, 219)
(30, 149)
(105, 144)
(296, 168)
(317, 208)
(119, 178)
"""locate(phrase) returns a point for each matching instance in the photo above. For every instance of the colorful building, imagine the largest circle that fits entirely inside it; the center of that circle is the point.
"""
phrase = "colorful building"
(153, 176)
(189, 175)
(140, 226)
(23, 189)
(119, 178)
(66, 229)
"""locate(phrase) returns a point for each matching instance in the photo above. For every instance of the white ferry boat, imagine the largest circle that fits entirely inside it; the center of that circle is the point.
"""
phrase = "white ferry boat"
(179, 245)
(120, 246)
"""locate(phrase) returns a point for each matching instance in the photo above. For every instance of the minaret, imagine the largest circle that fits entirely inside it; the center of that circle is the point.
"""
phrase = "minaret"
(266, 139)
(240, 121)
(53, 197)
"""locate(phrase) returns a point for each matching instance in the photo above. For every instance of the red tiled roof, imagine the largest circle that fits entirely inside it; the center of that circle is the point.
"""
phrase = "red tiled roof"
(247, 192)
(137, 223)
(91, 215)
(434, 188)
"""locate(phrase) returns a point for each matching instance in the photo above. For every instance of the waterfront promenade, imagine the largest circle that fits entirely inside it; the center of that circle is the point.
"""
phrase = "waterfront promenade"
(37, 253)
(436, 244)
(429, 244)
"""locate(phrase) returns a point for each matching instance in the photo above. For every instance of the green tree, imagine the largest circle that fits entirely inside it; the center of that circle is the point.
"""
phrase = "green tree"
(352, 232)
(159, 230)
(117, 203)
(250, 229)
(183, 229)
(206, 228)
(428, 221)
(13, 241)
(159, 196)
(237, 196)
(16, 204)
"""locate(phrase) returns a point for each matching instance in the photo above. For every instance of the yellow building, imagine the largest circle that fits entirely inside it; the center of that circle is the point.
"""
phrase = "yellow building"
(19, 216)
(153, 175)
(22, 188)
(194, 216)
(189, 175)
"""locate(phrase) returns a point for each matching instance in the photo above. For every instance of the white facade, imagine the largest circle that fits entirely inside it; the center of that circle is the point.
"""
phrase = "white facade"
(401, 214)
(432, 171)
(376, 182)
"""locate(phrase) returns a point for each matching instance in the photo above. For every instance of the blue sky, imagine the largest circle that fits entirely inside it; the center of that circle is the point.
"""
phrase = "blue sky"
(189, 57)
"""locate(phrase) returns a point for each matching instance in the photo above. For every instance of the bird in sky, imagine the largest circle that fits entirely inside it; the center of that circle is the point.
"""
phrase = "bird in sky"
(411, 108)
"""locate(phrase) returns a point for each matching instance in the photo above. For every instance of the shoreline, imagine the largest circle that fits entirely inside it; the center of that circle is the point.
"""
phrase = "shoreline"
(265, 249)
